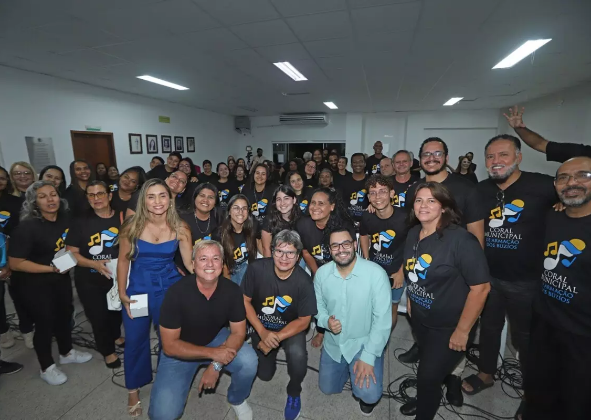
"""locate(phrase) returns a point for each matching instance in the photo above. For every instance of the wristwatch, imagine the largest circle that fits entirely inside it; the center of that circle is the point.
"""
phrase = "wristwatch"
(217, 366)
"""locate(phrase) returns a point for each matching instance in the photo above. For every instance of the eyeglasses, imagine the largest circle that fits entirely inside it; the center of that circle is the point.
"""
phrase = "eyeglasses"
(579, 177)
(21, 173)
(289, 254)
(185, 165)
(98, 195)
(238, 209)
(437, 154)
(346, 245)
(379, 193)
(181, 181)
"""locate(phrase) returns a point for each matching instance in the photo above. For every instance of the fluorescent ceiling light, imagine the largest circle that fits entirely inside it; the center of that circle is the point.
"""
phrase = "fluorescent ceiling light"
(452, 101)
(331, 105)
(291, 71)
(162, 82)
(520, 53)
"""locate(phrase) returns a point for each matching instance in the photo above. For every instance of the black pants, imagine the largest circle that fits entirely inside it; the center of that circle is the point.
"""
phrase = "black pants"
(17, 294)
(558, 381)
(297, 362)
(3, 323)
(106, 325)
(516, 300)
(437, 361)
(49, 301)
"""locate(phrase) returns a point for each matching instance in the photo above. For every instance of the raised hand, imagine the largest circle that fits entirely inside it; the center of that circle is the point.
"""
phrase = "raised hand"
(515, 117)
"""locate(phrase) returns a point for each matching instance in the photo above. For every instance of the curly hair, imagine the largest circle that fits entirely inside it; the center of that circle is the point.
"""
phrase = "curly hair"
(30, 209)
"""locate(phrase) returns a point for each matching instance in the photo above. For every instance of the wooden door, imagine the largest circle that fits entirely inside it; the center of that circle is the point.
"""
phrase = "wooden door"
(94, 147)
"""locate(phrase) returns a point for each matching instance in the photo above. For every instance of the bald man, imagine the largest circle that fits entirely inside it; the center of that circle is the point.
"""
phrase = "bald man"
(558, 380)
(373, 162)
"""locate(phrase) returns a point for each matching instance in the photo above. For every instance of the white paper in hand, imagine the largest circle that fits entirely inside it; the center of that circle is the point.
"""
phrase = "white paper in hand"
(63, 261)
(140, 307)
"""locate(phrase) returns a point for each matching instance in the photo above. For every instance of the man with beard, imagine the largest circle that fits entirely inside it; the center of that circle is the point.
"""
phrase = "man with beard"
(386, 167)
(373, 161)
(516, 202)
(434, 158)
(333, 162)
(558, 380)
(353, 297)
(404, 177)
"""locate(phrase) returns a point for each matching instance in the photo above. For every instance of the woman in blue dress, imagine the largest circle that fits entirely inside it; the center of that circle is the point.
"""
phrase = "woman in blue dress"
(148, 242)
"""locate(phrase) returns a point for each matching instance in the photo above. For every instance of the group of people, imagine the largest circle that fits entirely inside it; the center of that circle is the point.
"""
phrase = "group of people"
(237, 263)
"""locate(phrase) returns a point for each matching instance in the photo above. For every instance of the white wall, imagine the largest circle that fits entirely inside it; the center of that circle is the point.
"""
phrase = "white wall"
(43, 106)
(562, 117)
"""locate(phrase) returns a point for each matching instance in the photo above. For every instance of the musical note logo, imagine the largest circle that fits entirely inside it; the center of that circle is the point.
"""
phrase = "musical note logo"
(567, 249)
(317, 252)
(106, 239)
(259, 208)
(401, 199)
(4, 217)
(279, 303)
(420, 268)
(510, 212)
(205, 238)
(223, 194)
(383, 239)
(240, 253)
(303, 205)
(61, 242)
(358, 197)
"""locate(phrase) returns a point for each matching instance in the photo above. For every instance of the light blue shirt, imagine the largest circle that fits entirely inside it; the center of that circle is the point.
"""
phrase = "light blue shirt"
(362, 303)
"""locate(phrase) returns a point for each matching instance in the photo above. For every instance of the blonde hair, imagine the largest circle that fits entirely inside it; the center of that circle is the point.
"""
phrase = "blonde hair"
(15, 191)
(134, 226)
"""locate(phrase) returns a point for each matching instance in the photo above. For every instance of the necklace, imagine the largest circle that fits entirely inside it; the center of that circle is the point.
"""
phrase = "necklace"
(203, 232)
(157, 236)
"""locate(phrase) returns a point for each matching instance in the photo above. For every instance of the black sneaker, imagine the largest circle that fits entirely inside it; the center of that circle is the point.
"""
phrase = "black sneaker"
(411, 356)
(410, 408)
(453, 393)
(366, 409)
(8, 368)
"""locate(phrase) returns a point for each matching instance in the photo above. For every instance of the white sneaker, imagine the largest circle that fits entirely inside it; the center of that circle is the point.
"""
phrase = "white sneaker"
(29, 340)
(75, 356)
(243, 411)
(6, 340)
(53, 376)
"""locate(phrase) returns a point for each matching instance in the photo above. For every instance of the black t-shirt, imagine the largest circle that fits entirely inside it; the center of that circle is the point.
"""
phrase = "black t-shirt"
(561, 152)
(338, 178)
(240, 185)
(200, 319)
(200, 230)
(159, 172)
(10, 208)
(310, 183)
(514, 225)
(354, 196)
(240, 249)
(401, 189)
(313, 240)
(119, 205)
(259, 201)
(226, 191)
(304, 200)
(77, 201)
(565, 298)
(113, 185)
(464, 192)
(203, 177)
(96, 238)
(439, 271)
(38, 240)
(277, 302)
(469, 176)
(372, 165)
(386, 239)
(415, 165)
(283, 224)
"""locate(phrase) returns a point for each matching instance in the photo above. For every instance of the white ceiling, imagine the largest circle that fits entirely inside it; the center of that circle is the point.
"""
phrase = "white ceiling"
(364, 55)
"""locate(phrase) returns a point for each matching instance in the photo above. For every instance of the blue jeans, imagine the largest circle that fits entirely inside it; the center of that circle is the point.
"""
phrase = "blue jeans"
(238, 273)
(333, 376)
(174, 378)
(397, 294)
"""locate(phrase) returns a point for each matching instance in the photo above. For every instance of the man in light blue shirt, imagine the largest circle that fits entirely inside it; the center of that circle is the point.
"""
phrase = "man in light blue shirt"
(353, 297)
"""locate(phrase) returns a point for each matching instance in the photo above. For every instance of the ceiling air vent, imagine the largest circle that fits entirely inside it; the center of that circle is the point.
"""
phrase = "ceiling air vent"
(304, 119)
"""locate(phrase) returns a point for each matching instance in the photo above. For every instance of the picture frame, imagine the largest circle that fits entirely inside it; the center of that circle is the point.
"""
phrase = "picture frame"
(178, 144)
(151, 144)
(190, 144)
(166, 144)
(135, 144)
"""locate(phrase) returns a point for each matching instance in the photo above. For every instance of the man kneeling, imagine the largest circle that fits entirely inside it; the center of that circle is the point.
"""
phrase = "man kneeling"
(193, 332)
(280, 302)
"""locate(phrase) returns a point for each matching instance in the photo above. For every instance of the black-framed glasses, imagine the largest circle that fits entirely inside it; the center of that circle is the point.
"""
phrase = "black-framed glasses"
(289, 254)
(99, 195)
(345, 244)
(579, 177)
(436, 154)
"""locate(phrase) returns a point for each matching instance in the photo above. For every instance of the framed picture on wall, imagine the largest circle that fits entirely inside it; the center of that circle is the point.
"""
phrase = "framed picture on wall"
(166, 144)
(152, 144)
(135, 144)
(190, 144)
(178, 144)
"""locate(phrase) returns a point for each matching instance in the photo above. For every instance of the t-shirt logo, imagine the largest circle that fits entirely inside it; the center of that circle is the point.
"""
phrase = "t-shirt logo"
(568, 250)
(4, 218)
(383, 239)
(240, 187)
(418, 268)
(303, 205)
(279, 303)
(375, 169)
(61, 242)
(241, 253)
(510, 212)
(259, 208)
(205, 238)
(358, 197)
(319, 252)
(223, 194)
(106, 238)
(399, 199)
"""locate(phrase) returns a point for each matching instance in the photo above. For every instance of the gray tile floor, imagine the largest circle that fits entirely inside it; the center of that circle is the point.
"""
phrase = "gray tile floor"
(91, 394)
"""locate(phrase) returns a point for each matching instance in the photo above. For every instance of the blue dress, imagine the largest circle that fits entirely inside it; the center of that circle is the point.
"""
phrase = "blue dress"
(152, 272)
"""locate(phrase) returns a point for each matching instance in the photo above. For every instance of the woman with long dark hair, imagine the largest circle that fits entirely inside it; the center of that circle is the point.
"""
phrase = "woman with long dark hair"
(148, 242)
(465, 169)
(42, 231)
(237, 234)
(56, 176)
(226, 186)
(448, 282)
(100, 171)
(232, 166)
(80, 176)
(295, 181)
(93, 240)
(283, 214)
(131, 180)
(259, 191)
(326, 213)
